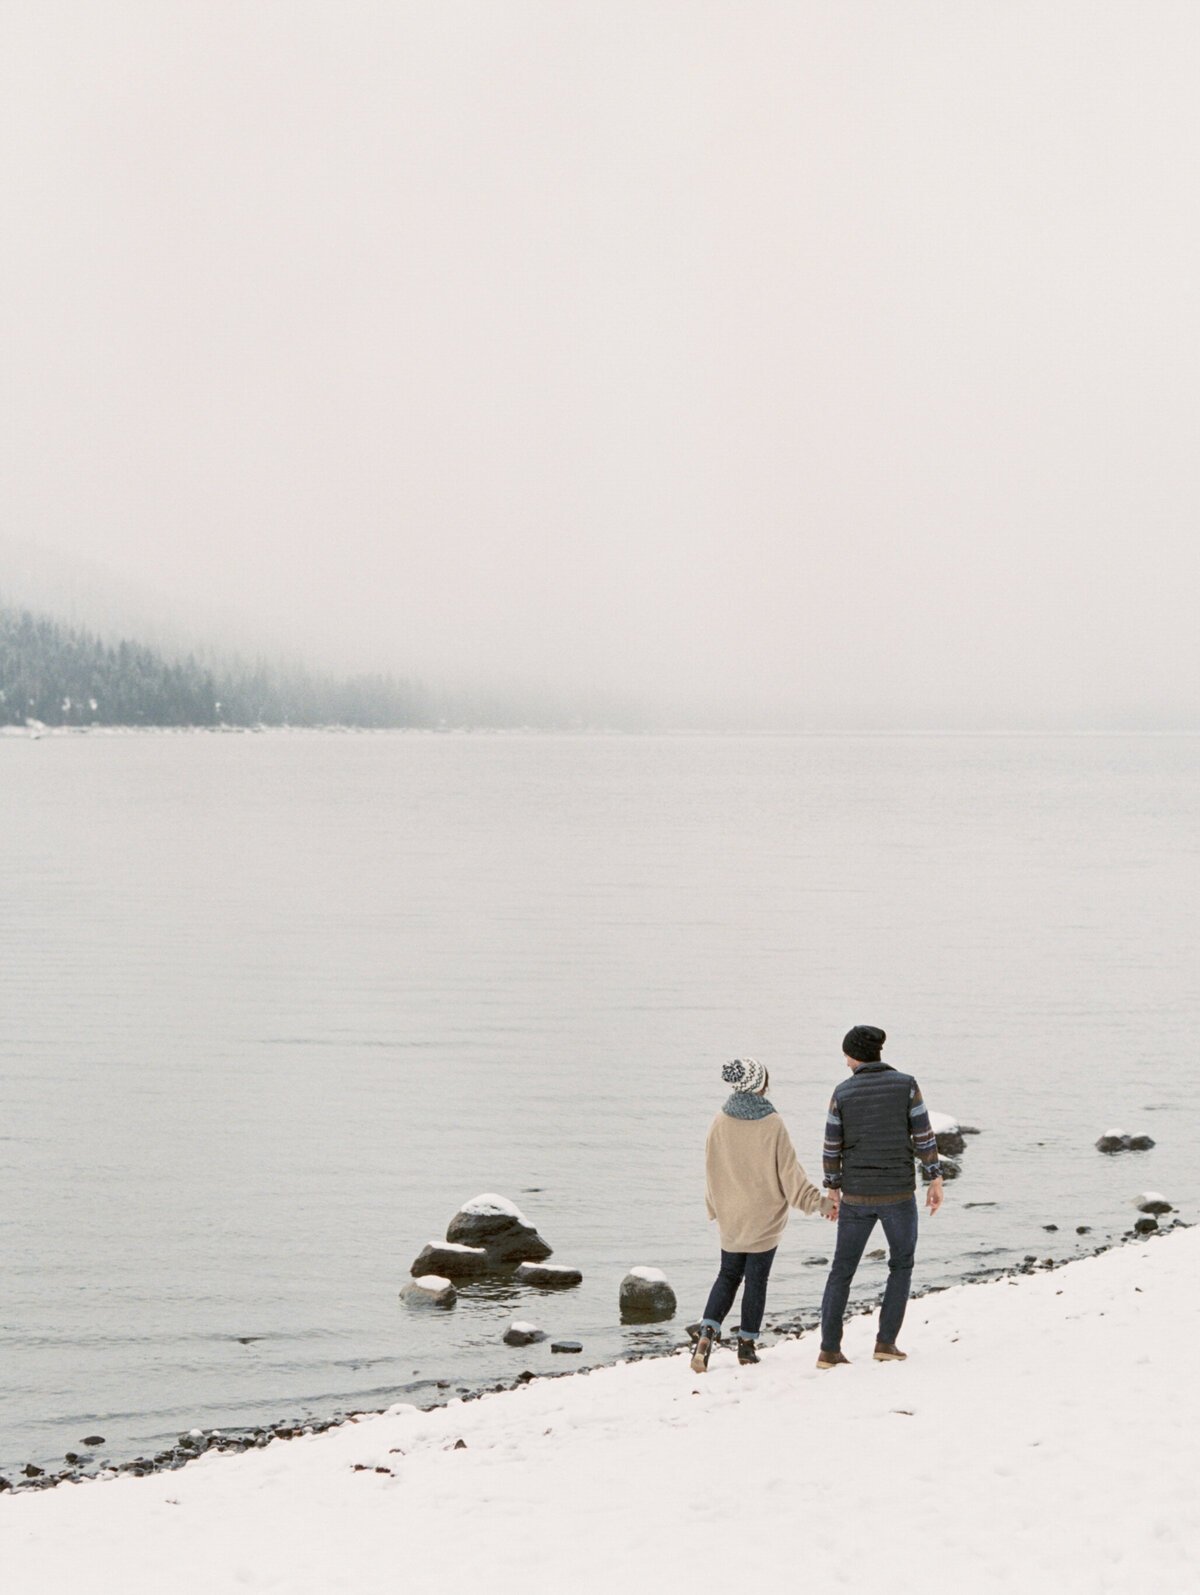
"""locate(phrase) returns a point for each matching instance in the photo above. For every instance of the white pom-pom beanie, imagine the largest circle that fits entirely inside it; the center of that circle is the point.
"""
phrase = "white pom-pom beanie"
(745, 1074)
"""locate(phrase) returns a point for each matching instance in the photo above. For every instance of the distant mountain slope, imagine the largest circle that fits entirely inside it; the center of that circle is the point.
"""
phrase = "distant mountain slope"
(62, 675)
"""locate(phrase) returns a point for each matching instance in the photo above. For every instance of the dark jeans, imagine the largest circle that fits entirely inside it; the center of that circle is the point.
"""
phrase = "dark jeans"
(755, 1267)
(855, 1223)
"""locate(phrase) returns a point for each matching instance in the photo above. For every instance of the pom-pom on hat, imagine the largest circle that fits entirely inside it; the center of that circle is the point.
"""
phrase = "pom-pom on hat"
(745, 1074)
(864, 1043)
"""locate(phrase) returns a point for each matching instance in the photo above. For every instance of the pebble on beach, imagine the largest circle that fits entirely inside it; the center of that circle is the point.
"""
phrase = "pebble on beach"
(1152, 1202)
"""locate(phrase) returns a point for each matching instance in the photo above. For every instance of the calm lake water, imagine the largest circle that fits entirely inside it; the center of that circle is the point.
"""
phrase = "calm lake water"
(276, 1004)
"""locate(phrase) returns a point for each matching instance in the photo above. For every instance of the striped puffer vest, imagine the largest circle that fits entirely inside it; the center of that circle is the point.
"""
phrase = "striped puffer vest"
(877, 1153)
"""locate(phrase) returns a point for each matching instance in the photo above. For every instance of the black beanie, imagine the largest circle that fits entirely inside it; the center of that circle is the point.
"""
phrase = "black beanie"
(864, 1043)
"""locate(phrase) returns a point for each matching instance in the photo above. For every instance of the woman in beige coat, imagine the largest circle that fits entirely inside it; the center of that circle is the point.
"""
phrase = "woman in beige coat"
(751, 1179)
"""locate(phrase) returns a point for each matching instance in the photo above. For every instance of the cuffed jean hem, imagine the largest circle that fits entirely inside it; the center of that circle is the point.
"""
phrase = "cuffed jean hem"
(710, 1323)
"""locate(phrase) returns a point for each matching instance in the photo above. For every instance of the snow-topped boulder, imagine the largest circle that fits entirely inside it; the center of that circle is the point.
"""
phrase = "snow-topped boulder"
(1152, 1202)
(500, 1228)
(522, 1334)
(1118, 1141)
(454, 1261)
(431, 1290)
(947, 1132)
(548, 1276)
(646, 1297)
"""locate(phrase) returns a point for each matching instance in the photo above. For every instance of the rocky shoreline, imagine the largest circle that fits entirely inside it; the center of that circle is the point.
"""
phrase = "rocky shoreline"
(85, 1465)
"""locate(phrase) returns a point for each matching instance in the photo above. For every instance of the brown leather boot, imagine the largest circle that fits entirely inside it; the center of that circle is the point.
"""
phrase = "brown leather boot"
(884, 1352)
(703, 1346)
(830, 1359)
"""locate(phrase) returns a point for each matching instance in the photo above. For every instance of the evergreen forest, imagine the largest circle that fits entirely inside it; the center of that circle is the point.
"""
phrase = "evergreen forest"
(59, 675)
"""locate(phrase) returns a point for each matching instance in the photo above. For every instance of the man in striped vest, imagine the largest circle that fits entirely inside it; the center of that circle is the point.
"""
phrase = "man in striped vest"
(877, 1119)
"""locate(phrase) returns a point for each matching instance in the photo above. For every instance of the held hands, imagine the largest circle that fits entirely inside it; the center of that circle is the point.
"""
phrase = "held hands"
(933, 1195)
(830, 1201)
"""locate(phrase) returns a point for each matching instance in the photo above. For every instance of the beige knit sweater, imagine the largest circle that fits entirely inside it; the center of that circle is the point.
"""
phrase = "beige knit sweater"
(751, 1179)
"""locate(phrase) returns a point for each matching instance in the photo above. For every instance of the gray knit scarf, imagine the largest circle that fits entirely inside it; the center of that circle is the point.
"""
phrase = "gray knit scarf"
(747, 1105)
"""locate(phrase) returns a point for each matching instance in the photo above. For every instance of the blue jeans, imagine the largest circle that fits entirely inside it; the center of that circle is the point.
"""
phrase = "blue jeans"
(755, 1267)
(855, 1223)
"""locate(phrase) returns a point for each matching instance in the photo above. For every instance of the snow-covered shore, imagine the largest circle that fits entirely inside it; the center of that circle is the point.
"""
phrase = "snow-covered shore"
(1044, 1434)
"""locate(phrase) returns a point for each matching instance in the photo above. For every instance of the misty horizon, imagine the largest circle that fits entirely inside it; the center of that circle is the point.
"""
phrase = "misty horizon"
(769, 366)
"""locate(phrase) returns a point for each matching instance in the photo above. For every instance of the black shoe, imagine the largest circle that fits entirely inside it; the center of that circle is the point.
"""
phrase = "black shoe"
(746, 1352)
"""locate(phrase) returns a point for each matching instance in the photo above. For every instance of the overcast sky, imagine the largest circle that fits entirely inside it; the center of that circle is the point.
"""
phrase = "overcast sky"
(826, 355)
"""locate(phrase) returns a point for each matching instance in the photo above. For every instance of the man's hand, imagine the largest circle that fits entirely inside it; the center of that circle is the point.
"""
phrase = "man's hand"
(933, 1196)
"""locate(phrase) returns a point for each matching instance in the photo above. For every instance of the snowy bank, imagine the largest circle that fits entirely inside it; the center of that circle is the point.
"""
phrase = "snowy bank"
(1044, 1434)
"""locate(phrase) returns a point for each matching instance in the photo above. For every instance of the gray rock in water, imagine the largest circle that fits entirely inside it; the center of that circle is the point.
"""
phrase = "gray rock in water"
(519, 1334)
(430, 1291)
(951, 1168)
(566, 1345)
(1152, 1202)
(1146, 1226)
(500, 1227)
(950, 1141)
(646, 1297)
(1118, 1141)
(454, 1262)
(548, 1276)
